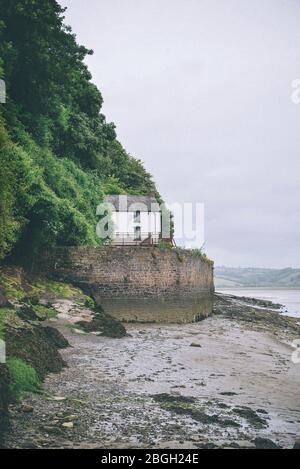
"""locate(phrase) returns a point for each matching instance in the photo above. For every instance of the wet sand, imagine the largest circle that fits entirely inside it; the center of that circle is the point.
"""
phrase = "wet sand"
(215, 383)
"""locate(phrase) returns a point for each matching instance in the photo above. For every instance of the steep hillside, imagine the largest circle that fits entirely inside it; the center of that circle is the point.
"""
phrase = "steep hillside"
(253, 277)
(58, 155)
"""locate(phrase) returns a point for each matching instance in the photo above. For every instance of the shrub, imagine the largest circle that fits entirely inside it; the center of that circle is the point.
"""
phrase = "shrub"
(196, 252)
(23, 377)
(89, 303)
(199, 253)
(44, 312)
(165, 245)
(6, 314)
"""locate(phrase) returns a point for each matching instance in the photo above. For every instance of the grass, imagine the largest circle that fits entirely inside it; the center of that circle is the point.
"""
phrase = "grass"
(12, 286)
(6, 314)
(44, 312)
(85, 301)
(165, 246)
(196, 252)
(18, 289)
(62, 290)
(24, 378)
(199, 253)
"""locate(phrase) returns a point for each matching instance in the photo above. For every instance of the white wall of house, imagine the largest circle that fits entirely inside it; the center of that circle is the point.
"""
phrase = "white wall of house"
(124, 223)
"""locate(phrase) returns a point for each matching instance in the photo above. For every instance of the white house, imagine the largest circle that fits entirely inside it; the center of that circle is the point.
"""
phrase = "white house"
(136, 218)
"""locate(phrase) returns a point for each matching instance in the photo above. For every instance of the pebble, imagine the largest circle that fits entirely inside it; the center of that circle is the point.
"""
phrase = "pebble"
(297, 444)
(78, 331)
(245, 444)
(26, 408)
(68, 425)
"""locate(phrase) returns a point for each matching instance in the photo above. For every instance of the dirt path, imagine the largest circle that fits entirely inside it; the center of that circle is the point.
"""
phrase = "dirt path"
(153, 389)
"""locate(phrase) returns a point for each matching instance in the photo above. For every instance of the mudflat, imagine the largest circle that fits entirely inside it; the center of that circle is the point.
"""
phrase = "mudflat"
(227, 381)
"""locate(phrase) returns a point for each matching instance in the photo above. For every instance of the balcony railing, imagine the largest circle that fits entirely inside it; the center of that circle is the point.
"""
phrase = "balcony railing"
(130, 239)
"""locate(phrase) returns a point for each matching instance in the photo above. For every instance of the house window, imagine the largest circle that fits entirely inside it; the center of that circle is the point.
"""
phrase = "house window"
(137, 217)
(137, 233)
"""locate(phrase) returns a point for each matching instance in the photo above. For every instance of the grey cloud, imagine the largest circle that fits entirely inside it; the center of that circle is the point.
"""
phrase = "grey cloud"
(200, 91)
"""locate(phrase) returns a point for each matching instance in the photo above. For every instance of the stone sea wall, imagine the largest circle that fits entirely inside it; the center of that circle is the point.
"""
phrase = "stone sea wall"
(130, 272)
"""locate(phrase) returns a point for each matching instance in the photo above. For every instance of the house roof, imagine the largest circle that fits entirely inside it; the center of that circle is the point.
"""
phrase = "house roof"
(132, 203)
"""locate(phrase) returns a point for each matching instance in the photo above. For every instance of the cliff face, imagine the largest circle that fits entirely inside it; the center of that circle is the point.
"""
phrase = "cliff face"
(131, 272)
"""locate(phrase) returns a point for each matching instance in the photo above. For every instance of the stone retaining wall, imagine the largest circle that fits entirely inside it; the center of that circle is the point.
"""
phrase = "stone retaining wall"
(132, 272)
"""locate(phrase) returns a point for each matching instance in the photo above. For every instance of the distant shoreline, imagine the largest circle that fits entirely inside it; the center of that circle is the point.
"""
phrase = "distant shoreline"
(251, 277)
(288, 297)
(275, 288)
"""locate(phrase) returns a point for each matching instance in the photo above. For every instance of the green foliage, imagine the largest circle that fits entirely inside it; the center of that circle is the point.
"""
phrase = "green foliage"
(9, 317)
(23, 377)
(58, 155)
(17, 180)
(44, 312)
(113, 186)
(18, 288)
(89, 303)
(165, 245)
(12, 286)
(3, 314)
(58, 289)
(196, 252)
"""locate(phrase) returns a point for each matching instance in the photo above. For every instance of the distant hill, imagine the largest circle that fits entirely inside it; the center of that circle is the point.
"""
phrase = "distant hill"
(233, 277)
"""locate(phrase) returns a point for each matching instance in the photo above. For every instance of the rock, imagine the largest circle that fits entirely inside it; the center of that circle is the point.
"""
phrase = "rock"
(35, 345)
(68, 425)
(78, 331)
(57, 398)
(245, 444)
(52, 430)
(105, 324)
(261, 411)
(251, 416)
(265, 443)
(26, 408)
(171, 399)
(70, 418)
(27, 313)
(297, 444)
(32, 299)
(194, 344)
(55, 337)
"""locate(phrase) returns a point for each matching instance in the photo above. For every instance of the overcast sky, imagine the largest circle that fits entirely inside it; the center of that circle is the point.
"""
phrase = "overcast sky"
(200, 91)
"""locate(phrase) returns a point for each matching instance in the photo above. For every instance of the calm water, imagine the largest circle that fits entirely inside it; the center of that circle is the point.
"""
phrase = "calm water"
(290, 299)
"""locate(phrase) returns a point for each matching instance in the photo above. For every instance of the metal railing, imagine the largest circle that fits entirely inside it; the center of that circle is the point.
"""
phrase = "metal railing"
(130, 239)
